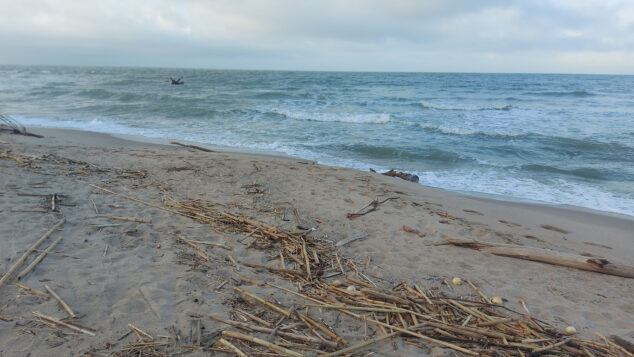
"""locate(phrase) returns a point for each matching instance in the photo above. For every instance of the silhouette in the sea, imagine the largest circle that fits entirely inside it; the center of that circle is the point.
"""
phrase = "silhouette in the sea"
(175, 82)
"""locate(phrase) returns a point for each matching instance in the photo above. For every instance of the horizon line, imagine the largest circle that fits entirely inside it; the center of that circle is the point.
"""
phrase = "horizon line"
(304, 70)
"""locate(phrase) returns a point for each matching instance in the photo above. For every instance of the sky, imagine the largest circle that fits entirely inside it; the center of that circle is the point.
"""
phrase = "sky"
(539, 36)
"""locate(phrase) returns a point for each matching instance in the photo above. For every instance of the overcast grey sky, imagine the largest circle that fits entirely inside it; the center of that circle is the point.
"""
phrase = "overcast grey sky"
(560, 36)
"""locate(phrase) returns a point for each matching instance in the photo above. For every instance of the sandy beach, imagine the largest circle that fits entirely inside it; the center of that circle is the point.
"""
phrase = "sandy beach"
(147, 273)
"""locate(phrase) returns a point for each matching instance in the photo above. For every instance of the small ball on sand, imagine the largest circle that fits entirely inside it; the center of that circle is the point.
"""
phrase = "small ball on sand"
(497, 300)
(571, 330)
(456, 281)
(351, 288)
(337, 283)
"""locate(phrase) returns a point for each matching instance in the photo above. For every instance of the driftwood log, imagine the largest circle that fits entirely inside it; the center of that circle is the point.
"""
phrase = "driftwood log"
(403, 175)
(595, 264)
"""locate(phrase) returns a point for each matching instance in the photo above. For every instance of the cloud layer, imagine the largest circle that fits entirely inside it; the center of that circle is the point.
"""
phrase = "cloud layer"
(580, 36)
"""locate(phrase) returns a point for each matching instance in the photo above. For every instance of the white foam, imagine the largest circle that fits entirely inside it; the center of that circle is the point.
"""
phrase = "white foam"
(358, 118)
(464, 107)
(557, 191)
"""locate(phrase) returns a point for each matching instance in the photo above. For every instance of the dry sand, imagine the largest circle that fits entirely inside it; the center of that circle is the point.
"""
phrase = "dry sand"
(143, 279)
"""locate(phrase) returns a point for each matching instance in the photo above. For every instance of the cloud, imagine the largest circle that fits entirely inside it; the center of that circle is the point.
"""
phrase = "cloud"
(410, 35)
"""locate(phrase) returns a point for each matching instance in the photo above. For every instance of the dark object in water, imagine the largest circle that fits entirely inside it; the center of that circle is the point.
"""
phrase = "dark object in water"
(404, 175)
(175, 82)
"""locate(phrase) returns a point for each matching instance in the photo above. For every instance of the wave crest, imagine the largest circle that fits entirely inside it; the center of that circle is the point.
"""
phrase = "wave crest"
(426, 105)
(463, 131)
(356, 118)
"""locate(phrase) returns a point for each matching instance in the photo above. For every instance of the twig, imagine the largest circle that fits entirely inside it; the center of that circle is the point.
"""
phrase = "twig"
(140, 332)
(212, 244)
(259, 299)
(62, 302)
(192, 146)
(262, 343)
(127, 219)
(232, 347)
(546, 348)
(354, 348)
(246, 326)
(62, 323)
(26, 254)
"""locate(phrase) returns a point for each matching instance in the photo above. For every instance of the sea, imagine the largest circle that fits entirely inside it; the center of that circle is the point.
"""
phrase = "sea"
(552, 138)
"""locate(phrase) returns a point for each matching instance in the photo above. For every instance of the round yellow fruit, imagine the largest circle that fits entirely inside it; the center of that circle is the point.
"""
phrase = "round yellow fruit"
(571, 330)
(456, 281)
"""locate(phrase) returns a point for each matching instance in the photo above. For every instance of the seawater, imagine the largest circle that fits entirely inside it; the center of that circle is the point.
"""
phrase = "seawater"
(563, 139)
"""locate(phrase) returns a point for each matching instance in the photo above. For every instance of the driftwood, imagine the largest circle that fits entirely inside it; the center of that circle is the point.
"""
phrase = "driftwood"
(402, 175)
(192, 146)
(598, 265)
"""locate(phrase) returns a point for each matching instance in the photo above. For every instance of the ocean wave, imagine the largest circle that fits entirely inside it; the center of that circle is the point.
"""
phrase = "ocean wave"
(411, 154)
(426, 105)
(356, 118)
(554, 191)
(465, 132)
(575, 93)
(275, 95)
(96, 93)
(584, 172)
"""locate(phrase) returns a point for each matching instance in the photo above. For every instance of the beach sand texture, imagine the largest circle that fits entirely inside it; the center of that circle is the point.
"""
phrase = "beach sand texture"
(113, 272)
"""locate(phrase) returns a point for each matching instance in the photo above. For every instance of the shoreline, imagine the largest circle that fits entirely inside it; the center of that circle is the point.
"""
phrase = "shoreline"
(227, 149)
(114, 273)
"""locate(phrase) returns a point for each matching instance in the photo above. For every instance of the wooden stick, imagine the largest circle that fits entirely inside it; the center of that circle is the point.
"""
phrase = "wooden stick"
(61, 302)
(62, 323)
(274, 331)
(212, 244)
(140, 332)
(597, 265)
(26, 254)
(191, 146)
(272, 269)
(307, 262)
(232, 347)
(201, 253)
(38, 259)
(496, 322)
(262, 343)
(423, 337)
(117, 218)
(31, 289)
(323, 329)
(545, 348)
(255, 318)
(259, 299)
(367, 343)
(486, 299)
